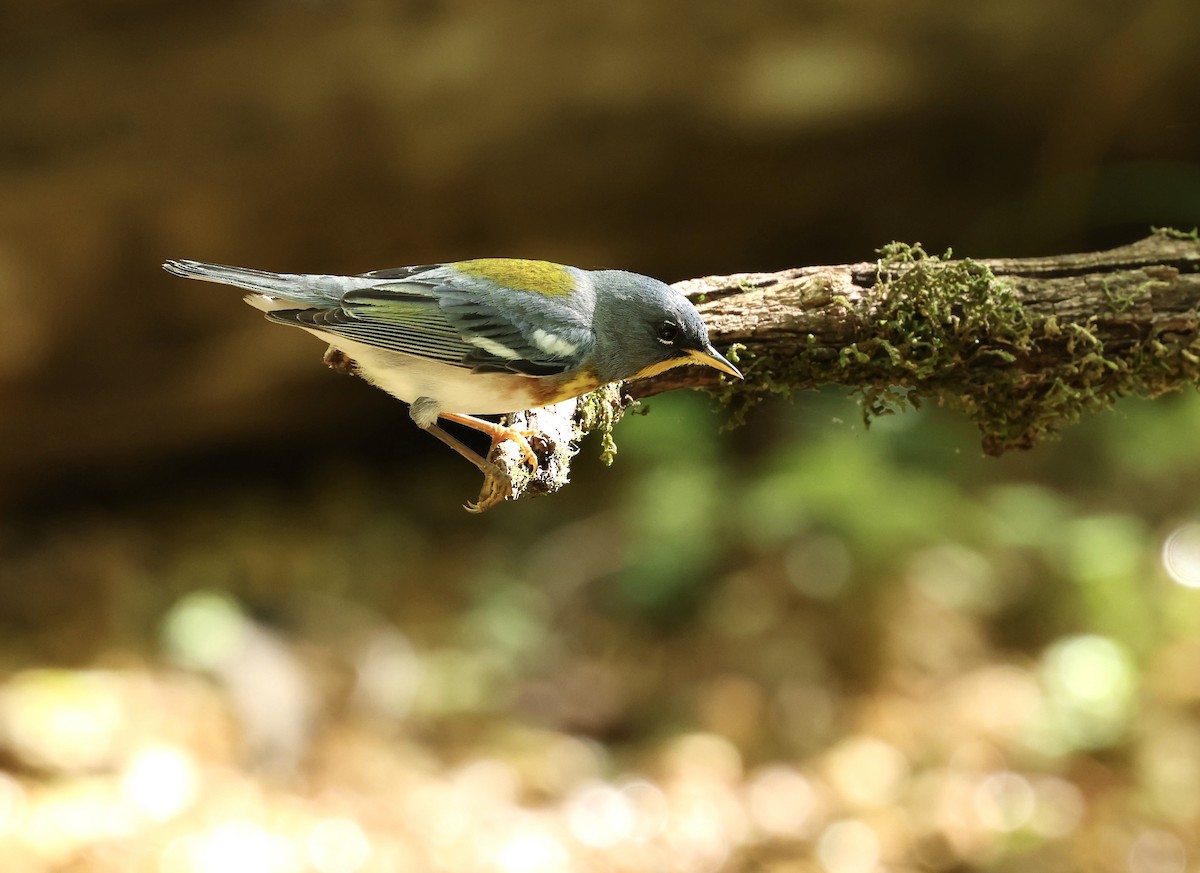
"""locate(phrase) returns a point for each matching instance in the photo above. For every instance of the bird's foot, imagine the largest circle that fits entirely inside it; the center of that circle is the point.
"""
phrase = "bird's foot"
(499, 433)
(497, 483)
(496, 488)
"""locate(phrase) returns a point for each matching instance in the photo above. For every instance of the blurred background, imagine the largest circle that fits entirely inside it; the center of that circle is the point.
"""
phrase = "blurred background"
(244, 623)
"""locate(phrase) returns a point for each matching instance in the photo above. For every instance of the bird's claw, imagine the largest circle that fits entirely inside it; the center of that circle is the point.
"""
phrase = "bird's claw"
(496, 488)
(497, 479)
(521, 438)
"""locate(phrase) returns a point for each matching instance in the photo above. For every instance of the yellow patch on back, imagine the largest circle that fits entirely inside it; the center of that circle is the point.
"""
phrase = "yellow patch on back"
(540, 277)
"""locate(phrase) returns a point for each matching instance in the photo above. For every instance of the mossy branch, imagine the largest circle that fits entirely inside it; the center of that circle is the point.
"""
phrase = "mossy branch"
(1022, 346)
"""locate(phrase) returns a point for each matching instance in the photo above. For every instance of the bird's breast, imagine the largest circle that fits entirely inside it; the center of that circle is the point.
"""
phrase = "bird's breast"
(458, 389)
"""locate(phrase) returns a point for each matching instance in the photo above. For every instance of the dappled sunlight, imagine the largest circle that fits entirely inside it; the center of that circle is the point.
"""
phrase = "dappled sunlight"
(338, 845)
(1157, 851)
(849, 846)
(1181, 554)
(161, 781)
(832, 693)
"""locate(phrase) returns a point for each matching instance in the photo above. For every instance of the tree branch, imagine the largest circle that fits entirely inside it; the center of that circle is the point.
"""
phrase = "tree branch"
(1022, 346)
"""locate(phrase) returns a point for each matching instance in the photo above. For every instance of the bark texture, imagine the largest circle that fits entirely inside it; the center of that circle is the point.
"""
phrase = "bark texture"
(1022, 346)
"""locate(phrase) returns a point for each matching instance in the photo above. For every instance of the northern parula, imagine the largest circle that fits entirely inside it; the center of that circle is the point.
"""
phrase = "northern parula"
(485, 336)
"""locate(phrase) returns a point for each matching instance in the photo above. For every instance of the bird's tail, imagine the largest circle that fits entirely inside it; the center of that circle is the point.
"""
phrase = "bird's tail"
(271, 291)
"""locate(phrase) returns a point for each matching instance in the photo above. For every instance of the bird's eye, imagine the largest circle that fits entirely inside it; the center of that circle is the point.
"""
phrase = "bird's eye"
(667, 332)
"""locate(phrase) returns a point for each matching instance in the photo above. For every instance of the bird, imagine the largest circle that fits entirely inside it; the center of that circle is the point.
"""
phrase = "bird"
(484, 336)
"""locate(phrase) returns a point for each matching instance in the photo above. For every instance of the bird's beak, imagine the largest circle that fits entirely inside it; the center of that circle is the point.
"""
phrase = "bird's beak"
(710, 357)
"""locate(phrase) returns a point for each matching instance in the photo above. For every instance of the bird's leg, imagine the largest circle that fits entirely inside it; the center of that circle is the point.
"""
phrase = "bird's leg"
(498, 434)
(497, 484)
(462, 448)
(425, 413)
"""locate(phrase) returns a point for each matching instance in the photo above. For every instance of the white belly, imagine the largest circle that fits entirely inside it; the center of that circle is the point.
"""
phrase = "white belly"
(455, 389)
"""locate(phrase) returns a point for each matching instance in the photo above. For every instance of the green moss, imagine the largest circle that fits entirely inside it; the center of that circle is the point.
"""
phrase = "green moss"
(601, 410)
(766, 373)
(1172, 233)
(1117, 302)
(953, 332)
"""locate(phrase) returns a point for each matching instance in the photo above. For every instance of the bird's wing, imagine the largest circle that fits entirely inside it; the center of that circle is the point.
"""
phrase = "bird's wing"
(450, 316)
(412, 325)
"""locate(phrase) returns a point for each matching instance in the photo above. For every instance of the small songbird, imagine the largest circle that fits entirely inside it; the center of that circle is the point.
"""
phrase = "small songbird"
(485, 336)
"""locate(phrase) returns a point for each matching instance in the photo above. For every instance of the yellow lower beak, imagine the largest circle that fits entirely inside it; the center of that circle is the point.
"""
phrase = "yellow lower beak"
(710, 357)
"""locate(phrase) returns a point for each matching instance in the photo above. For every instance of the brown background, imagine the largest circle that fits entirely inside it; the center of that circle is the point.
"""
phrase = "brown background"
(678, 139)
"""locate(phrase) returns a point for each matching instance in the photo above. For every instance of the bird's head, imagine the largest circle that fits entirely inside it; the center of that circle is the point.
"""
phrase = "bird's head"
(645, 327)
